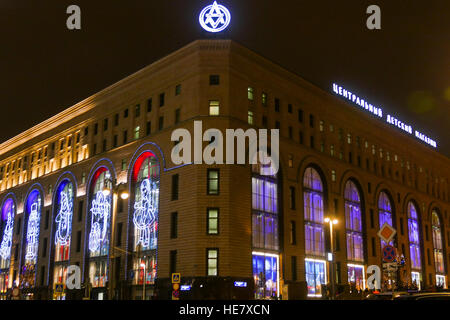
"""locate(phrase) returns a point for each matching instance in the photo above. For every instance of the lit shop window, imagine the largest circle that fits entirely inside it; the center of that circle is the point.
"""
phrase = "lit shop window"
(438, 250)
(353, 223)
(415, 280)
(315, 272)
(214, 108)
(266, 275)
(145, 184)
(356, 277)
(99, 222)
(313, 208)
(414, 240)
(385, 214)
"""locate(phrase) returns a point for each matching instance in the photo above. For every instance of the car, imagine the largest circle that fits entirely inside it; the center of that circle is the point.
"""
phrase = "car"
(384, 295)
(425, 296)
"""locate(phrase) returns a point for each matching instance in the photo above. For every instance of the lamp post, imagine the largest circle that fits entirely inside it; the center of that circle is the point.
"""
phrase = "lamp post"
(331, 222)
(116, 190)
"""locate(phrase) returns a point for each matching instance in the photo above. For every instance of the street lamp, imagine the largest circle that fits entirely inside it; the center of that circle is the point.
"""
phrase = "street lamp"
(331, 222)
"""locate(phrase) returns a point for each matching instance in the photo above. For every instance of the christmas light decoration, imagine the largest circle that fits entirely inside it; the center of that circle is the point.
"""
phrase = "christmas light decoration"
(5, 247)
(64, 218)
(99, 220)
(146, 212)
(33, 230)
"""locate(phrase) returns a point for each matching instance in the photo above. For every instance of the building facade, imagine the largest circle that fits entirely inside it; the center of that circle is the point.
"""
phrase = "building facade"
(95, 187)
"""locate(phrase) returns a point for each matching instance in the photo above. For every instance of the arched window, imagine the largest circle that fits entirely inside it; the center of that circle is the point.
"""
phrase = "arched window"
(385, 214)
(414, 245)
(438, 250)
(265, 231)
(99, 223)
(31, 236)
(63, 230)
(354, 235)
(6, 226)
(145, 192)
(315, 266)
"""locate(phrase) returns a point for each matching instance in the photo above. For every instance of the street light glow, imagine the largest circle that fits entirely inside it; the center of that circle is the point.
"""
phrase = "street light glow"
(124, 195)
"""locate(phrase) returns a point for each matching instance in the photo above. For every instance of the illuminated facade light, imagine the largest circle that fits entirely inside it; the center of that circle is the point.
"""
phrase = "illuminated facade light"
(146, 212)
(33, 227)
(215, 18)
(5, 247)
(99, 221)
(64, 218)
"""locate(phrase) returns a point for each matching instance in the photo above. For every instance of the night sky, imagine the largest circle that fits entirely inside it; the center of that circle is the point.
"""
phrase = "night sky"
(404, 68)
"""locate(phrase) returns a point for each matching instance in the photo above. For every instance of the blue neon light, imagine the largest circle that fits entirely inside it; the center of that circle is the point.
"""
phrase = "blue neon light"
(215, 18)
(8, 213)
(99, 221)
(240, 284)
(146, 212)
(34, 218)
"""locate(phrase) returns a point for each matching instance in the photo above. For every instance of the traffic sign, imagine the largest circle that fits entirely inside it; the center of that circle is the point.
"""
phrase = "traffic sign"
(175, 295)
(387, 233)
(176, 277)
(59, 287)
(175, 286)
(389, 254)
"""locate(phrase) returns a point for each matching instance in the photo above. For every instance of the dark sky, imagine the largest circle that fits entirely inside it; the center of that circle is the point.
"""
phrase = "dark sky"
(405, 67)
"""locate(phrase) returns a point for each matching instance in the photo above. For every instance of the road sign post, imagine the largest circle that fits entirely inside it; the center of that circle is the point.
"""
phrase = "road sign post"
(176, 279)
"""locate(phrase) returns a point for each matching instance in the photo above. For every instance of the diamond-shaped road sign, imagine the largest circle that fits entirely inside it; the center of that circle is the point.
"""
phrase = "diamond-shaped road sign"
(386, 233)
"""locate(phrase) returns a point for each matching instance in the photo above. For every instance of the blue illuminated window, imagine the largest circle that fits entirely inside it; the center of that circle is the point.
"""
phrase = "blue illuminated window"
(385, 214)
(414, 239)
(353, 223)
(437, 244)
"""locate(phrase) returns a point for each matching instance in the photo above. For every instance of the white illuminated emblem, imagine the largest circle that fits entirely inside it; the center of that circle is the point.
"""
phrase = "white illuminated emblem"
(64, 221)
(5, 248)
(215, 18)
(145, 212)
(33, 232)
(99, 221)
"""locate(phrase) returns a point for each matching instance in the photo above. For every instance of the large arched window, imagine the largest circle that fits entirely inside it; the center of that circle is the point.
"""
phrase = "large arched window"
(438, 250)
(33, 209)
(385, 214)
(354, 235)
(315, 266)
(63, 230)
(6, 226)
(145, 193)
(414, 244)
(265, 231)
(99, 227)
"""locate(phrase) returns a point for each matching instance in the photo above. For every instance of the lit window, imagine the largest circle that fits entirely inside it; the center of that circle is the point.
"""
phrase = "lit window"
(213, 221)
(315, 273)
(321, 126)
(213, 182)
(264, 99)
(250, 93)
(414, 240)
(438, 249)
(213, 262)
(349, 138)
(353, 222)
(250, 117)
(136, 132)
(214, 108)
(385, 214)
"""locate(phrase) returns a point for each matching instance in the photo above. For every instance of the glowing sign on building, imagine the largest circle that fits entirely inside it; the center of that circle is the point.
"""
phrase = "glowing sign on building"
(145, 212)
(99, 221)
(340, 91)
(5, 247)
(215, 18)
(33, 226)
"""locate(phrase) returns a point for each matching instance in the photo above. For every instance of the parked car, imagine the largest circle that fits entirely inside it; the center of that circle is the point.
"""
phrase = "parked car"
(385, 295)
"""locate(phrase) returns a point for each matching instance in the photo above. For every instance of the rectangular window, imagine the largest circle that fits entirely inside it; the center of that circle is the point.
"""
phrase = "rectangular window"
(264, 99)
(125, 137)
(277, 105)
(290, 108)
(214, 80)
(250, 117)
(105, 124)
(374, 254)
(311, 121)
(137, 111)
(95, 133)
(116, 141)
(173, 261)
(212, 256)
(372, 222)
(293, 233)
(80, 210)
(294, 268)
(300, 115)
(149, 105)
(125, 113)
(292, 197)
(290, 130)
(161, 99)
(213, 176)
(136, 132)
(104, 145)
(44, 248)
(148, 128)
(178, 90)
(177, 116)
(47, 214)
(401, 226)
(250, 93)
(119, 234)
(78, 241)
(174, 225)
(116, 120)
(264, 121)
(311, 143)
(301, 137)
(212, 217)
(175, 180)
(161, 123)
(214, 108)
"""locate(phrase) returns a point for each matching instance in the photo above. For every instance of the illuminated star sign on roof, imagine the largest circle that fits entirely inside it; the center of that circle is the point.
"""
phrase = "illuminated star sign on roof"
(215, 18)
